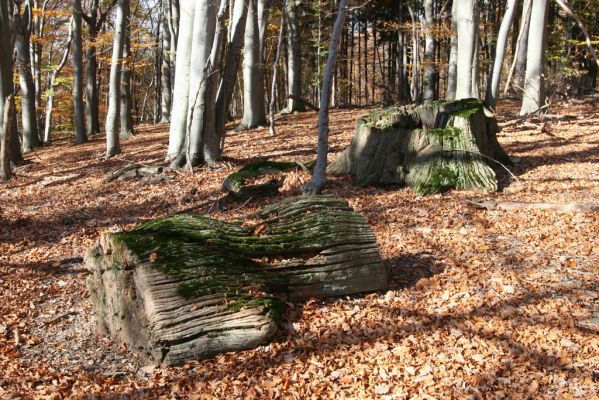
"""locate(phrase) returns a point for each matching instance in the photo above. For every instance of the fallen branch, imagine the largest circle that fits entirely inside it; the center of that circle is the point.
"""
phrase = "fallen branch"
(522, 205)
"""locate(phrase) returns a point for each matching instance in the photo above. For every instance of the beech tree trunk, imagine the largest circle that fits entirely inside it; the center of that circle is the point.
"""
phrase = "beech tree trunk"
(429, 92)
(5, 136)
(275, 74)
(125, 113)
(452, 71)
(294, 59)
(178, 127)
(319, 177)
(190, 287)
(28, 111)
(254, 114)
(495, 76)
(166, 81)
(533, 98)
(78, 107)
(113, 144)
(467, 27)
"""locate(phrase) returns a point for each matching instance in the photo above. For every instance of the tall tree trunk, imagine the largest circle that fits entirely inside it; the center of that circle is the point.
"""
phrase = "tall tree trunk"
(125, 111)
(178, 128)
(253, 74)
(28, 110)
(5, 136)
(229, 75)
(429, 92)
(415, 87)
(522, 51)
(452, 72)
(36, 58)
(495, 76)
(467, 28)
(294, 61)
(534, 91)
(275, 73)
(52, 84)
(113, 145)
(78, 108)
(165, 72)
(319, 178)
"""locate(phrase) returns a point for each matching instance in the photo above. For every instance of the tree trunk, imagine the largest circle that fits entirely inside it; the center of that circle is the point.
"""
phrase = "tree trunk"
(52, 84)
(254, 114)
(534, 91)
(294, 61)
(522, 51)
(431, 148)
(5, 136)
(275, 72)
(467, 29)
(78, 108)
(165, 73)
(178, 128)
(227, 83)
(125, 100)
(429, 92)
(319, 177)
(22, 26)
(504, 30)
(452, 72)
(113, 145)
(190, 287)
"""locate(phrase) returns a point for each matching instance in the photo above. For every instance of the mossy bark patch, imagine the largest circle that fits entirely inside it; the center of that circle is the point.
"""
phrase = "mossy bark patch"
(238, 183)
(188, 286)
(432, 148)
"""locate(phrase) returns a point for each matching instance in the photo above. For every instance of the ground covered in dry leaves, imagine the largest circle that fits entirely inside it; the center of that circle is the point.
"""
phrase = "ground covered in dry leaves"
(483, 304)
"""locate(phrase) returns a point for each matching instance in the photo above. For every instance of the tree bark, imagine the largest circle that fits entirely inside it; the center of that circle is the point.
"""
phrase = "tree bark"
(452, 72)
(28, 111)
(188, 287)
(52, 85)
(78, 107)
(5, 130)
(275, 72)
(429, 92)
(495, 76)
(319, 177)
(534, 86)
(294, 60)
(467, 43)
(178, 128)
(254, 114)
(113, 145)
(166, 81)
(125, 113)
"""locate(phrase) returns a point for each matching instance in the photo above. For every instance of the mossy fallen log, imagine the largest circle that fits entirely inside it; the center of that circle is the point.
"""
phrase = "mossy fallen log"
(188, 287)
(237, 184)
(431, 148)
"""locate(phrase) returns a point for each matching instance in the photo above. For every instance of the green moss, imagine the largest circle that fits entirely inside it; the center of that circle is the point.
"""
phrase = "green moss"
(444, 133)
(237, 180)
(465, 107)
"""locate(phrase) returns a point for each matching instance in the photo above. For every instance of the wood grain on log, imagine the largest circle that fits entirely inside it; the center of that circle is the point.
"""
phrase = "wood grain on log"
(186, 287)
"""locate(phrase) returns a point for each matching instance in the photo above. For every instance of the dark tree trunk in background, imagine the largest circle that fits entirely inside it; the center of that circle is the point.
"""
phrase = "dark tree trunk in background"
(78, 108)
(125, 112)
(429, 92)
(294, 61)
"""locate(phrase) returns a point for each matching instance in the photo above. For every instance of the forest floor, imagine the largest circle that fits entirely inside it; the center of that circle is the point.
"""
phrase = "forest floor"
(483, 303)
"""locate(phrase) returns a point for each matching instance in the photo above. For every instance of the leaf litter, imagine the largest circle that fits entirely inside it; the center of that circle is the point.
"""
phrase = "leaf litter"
(483, 303)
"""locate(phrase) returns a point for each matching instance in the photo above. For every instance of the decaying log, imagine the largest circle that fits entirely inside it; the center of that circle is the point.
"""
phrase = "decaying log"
(135, 171)
(431, 148)
(237, 185)
(522, 205)
(188, 287)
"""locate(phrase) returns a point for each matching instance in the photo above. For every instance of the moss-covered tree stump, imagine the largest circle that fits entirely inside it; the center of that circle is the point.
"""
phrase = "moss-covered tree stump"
(188, 287)
(431, 148)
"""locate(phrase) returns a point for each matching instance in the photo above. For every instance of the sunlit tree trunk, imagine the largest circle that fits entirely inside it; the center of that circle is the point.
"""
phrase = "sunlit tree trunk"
(533, 98)
(253, 73)
(429, 92)
(178, 128)
(467, 27)
(78, 107)
(165, 72)
(452, 73)
(294, 60)
(319, 178)
(495, 76)
(28, 111)
(125, 111)
(113, 145)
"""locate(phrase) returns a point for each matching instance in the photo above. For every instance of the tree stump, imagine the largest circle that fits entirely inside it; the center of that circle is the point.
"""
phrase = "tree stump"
(431, 148)
(188, 287)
